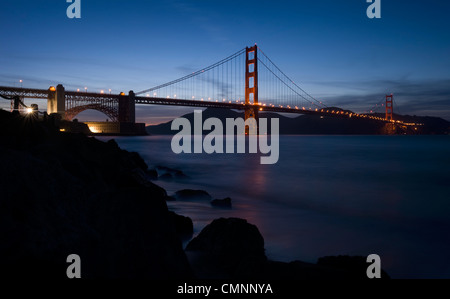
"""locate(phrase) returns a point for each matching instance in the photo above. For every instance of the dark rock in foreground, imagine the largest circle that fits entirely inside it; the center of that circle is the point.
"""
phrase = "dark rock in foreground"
(234, 249)
(68, 193)
(189, 194)
(230, 238)
(183, 225)
(223, 203)
(228, 248)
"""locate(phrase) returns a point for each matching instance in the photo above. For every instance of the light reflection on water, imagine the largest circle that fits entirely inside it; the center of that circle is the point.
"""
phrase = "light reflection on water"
(328, 195)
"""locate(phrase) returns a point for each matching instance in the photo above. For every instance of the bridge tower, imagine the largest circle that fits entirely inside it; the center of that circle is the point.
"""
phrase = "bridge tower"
(251, 84)
(127, 110)
(389, 107)
(56, 101)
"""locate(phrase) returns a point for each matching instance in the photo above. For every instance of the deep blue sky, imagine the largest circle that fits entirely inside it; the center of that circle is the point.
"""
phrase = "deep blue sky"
(329, 47)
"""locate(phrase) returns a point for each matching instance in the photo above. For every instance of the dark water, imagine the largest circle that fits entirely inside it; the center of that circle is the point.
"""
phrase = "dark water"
(329, 195)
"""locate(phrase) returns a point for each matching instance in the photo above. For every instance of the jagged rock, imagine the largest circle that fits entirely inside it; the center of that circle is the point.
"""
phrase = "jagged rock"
(183, 225)
(189, 194)
(223, 203)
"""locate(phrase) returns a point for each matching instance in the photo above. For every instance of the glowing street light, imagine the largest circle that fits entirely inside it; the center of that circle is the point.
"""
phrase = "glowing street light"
(29, 110)
(101, 91)
(85, 89)
(110, 91)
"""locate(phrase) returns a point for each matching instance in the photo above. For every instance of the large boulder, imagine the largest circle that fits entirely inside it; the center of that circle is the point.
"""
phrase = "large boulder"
(228, 248)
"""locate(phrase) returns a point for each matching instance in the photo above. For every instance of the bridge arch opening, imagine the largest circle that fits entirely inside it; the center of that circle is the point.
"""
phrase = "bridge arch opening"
(91, 112)
(91, 115)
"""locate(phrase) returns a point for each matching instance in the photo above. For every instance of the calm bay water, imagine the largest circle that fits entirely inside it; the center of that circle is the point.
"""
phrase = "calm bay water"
(328, 195)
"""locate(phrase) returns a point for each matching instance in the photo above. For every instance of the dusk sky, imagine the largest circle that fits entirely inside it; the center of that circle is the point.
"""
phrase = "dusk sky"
(330, 48)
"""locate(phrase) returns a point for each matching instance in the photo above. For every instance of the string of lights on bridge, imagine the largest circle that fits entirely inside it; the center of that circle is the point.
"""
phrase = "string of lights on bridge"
(225, 82)
(263, 106)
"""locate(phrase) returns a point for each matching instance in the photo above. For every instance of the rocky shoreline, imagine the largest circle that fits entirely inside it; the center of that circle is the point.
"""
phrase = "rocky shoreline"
(65, 193)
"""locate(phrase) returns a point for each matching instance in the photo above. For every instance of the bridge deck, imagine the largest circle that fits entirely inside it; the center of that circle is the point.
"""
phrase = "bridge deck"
(89, 96)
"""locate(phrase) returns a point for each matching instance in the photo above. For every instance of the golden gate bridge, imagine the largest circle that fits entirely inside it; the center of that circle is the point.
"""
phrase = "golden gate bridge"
(247, 80)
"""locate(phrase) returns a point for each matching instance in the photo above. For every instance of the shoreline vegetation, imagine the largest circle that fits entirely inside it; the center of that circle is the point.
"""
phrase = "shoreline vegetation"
(66, 193)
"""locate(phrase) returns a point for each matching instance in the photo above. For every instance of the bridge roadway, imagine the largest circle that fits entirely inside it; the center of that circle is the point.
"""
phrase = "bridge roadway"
(82, 95)
(242, 106)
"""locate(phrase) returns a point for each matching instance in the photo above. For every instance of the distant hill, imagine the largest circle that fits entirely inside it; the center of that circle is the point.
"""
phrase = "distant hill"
(316, 125)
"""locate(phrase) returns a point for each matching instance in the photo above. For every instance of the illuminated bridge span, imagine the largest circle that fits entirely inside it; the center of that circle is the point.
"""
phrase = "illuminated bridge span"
(248, 80)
